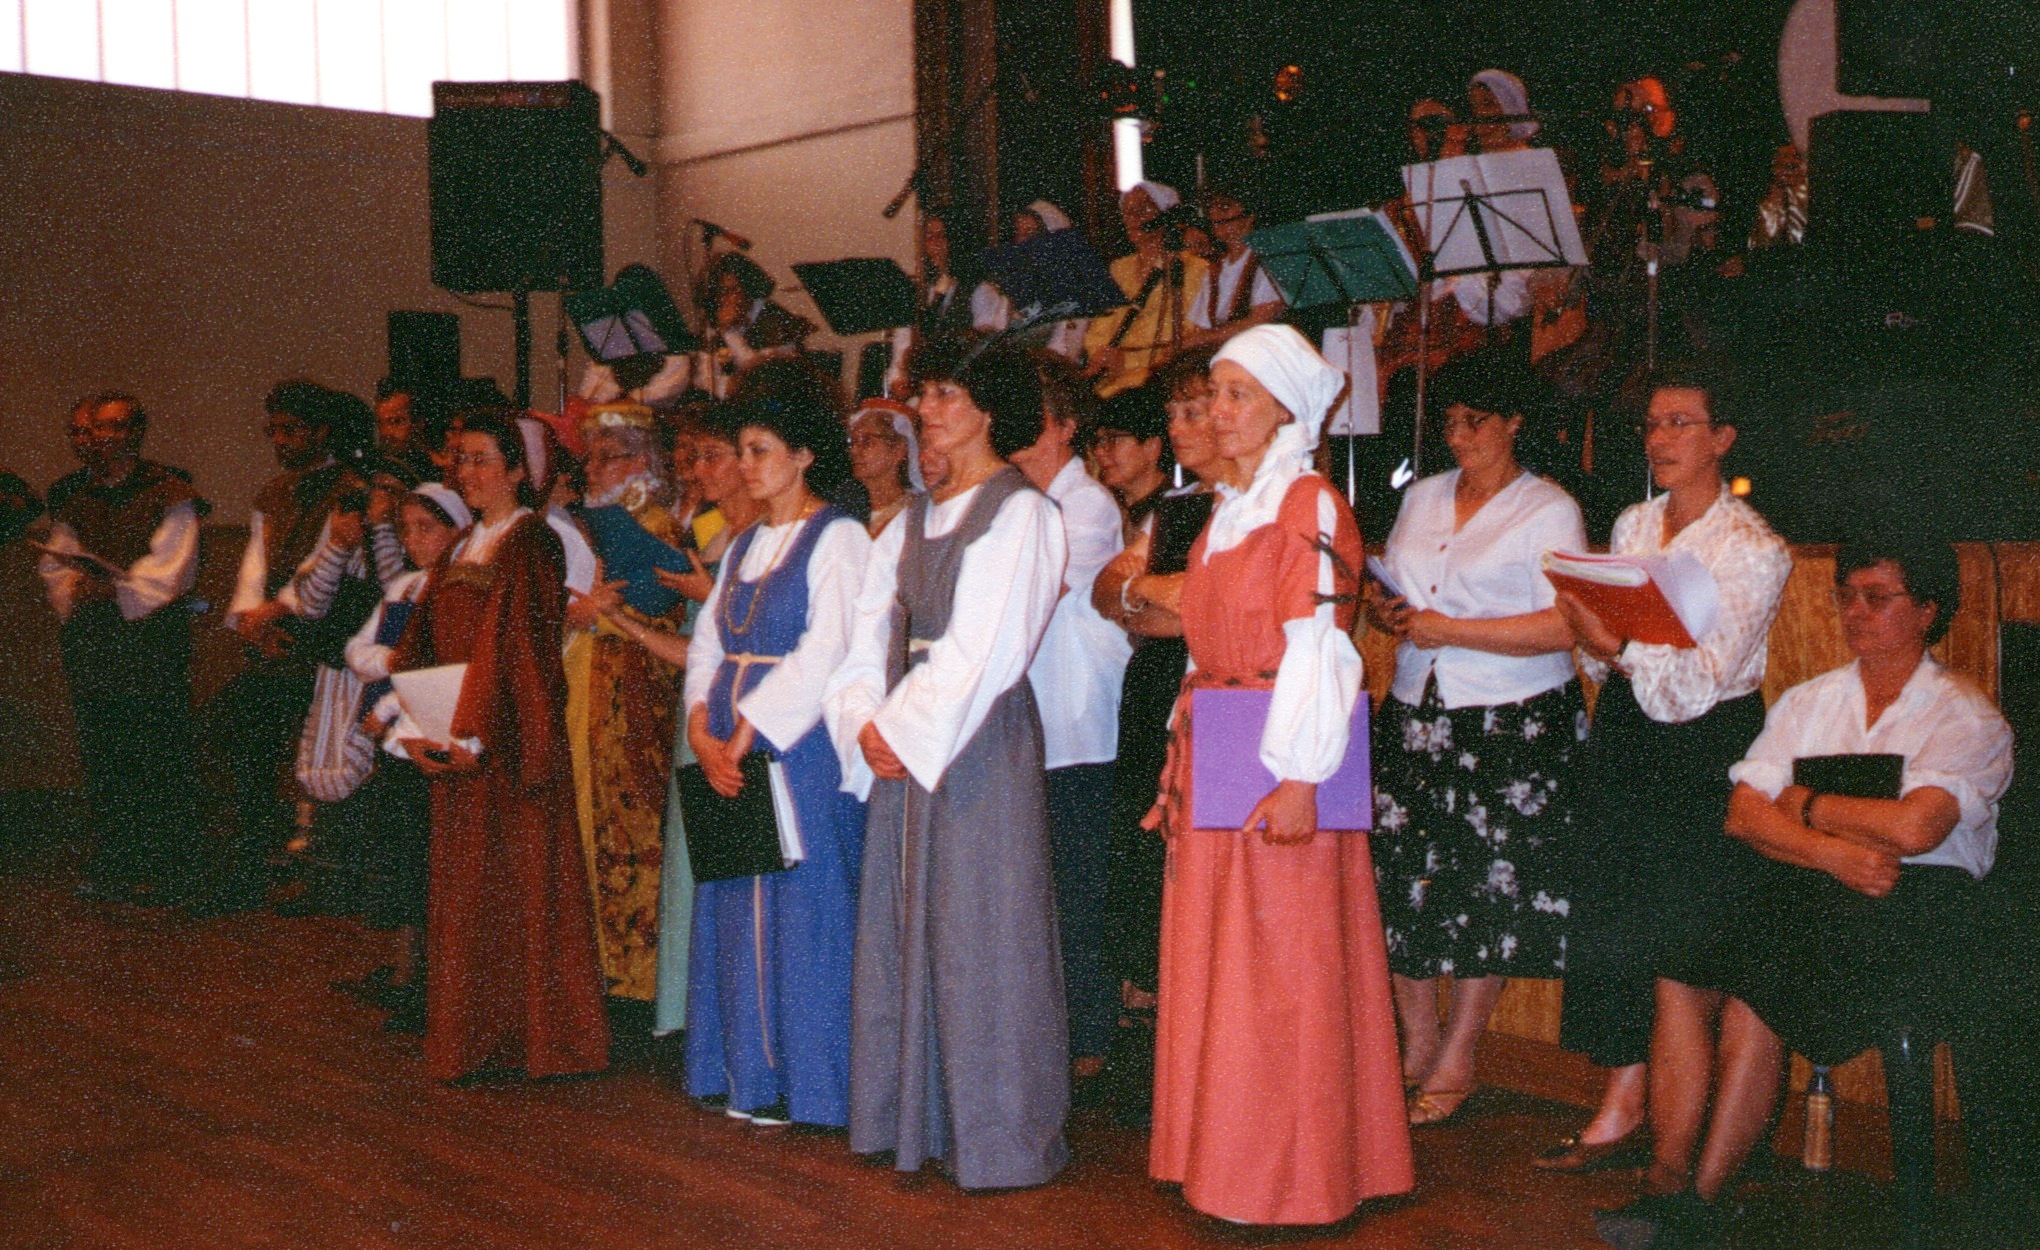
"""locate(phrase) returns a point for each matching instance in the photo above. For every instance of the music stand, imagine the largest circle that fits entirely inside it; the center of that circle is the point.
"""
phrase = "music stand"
(1054, 276)
(1498, 211)
(859, 295)
(1354, 258)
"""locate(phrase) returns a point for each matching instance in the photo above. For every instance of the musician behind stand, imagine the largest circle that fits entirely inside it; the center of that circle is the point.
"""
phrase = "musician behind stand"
(1124, 346)
(946, 301)
(1237, 293)
(743, 321)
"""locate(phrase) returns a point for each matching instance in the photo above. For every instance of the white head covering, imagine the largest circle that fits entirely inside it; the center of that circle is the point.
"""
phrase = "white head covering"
(1052, 218)
(446, 500)
(902, 421)
(1163, 195)
(1284, 361)
(537, 465)
(1510, 94)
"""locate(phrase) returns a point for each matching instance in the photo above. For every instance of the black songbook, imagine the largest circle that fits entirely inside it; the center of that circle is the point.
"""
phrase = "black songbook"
(1054, 277)
(861, 294)
(736, 837)
(1851, 776)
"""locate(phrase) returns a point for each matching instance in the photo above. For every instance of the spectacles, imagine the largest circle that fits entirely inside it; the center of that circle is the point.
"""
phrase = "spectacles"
(1875, 600)
(475, 459)
(1676, 425)
(1471, 422)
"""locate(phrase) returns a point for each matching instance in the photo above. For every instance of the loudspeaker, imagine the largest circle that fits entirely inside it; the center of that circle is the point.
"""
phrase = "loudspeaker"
(1891, 47)
(516, 186)
(424, 351)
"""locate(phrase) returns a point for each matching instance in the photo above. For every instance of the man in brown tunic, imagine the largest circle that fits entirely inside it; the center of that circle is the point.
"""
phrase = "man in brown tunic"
(123, 557)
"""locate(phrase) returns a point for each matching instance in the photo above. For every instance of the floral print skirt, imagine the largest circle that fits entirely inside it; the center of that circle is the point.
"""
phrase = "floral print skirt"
(1472, 807)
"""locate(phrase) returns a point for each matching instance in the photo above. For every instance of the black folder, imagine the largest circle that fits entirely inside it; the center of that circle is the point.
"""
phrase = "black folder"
(860, 294)
(1851, 776)
(729, 838)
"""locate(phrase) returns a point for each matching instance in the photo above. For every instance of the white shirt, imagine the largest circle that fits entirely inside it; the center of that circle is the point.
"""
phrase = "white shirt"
(366, 658)
(991, 312)
(1318, 682)
(787, 701)
(1006, 590)
(1081, 665)
(1228, 274)
(1488, 569)
(1749, 563)
(1951, 736)
(166, 573)
(581, 563)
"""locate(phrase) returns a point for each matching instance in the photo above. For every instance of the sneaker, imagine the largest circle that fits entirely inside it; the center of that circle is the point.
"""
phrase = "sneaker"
(770, 1117)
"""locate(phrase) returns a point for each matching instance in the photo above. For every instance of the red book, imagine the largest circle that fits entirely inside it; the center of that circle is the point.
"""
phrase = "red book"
(1666, 600)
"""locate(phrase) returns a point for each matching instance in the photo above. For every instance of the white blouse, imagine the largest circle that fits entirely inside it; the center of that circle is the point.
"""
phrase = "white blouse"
(1486, 570)
(1317, 683)
(1006, 590)
(1951, 736)
(1750, 564)
(1228, 274)
(1081, 665)
(787, 701)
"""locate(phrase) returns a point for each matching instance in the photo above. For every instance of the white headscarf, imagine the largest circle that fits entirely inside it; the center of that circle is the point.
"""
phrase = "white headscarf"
(1510, 94)
(902, 425)
(1295, 374)
(446, 500)
(1164, 196)
(1051, 218)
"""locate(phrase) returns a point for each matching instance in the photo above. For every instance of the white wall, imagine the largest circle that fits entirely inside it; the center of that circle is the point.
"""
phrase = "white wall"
(789, 122)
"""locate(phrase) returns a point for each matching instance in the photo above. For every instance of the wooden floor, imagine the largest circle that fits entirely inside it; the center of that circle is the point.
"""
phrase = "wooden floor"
(168, 1083)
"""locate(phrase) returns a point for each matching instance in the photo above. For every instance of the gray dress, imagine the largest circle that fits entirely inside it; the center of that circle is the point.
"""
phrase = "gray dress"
(959, 1048)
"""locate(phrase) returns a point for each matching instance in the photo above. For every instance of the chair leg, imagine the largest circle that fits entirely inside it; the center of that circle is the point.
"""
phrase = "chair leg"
(1909, 1087)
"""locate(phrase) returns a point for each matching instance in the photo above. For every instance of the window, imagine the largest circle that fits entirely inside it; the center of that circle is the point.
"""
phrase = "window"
(381, 56)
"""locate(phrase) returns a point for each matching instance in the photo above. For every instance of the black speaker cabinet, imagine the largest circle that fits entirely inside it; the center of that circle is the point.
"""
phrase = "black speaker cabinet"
(516, 185)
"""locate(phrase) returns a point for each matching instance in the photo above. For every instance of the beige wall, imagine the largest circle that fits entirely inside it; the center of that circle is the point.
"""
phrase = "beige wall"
(789, 122)
(195, 249)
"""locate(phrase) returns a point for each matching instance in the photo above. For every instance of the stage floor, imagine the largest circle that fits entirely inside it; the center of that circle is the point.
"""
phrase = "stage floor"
(169, 1083)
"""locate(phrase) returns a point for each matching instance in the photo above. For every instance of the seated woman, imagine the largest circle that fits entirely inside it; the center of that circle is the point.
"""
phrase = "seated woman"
(1863, 908)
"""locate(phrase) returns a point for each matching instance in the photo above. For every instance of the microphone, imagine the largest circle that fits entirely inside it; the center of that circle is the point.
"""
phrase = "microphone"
(709, 232)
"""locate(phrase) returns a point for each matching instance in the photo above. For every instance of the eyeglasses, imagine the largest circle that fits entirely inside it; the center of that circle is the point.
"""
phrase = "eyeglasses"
(1676, 425)
(1875, 600)
(1472, 421)
(475, 459)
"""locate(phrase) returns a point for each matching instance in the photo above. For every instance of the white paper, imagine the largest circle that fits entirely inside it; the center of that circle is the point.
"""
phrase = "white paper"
(1527, 212)
(429, 697)
(1352, 350)
(792, 850)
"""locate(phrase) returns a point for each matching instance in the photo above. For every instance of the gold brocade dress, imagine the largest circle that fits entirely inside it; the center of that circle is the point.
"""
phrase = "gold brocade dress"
(621, 715)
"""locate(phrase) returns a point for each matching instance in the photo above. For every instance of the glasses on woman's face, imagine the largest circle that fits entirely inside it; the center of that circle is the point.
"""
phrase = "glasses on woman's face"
(475, 459)
(1846, 597)
(1464, 421)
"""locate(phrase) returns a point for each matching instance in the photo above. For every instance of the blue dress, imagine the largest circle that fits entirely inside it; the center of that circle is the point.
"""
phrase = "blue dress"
(768, 1000)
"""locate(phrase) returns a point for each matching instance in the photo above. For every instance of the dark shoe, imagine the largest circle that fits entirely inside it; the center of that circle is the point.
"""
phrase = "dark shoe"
(768, 1117)
(1632, 1150)
(1680, 1221)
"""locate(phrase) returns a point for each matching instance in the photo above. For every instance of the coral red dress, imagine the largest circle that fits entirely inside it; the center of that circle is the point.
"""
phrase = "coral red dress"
(512, 978)
(1278, 1087)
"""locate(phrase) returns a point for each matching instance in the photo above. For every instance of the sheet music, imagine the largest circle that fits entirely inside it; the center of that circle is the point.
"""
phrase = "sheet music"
(1525, 208)
(1353, 351)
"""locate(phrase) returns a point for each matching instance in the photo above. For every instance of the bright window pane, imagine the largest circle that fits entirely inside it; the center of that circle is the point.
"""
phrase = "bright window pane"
(541, 40)
(10, 36)
(414, 54)
(212, 46)
(140, 42)
(62, 38)
(283, 61)
(478, 43)
(350, 54)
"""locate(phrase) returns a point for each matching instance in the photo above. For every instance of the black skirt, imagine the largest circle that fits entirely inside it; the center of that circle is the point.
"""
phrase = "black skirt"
(1834, 972)
(1653, 871)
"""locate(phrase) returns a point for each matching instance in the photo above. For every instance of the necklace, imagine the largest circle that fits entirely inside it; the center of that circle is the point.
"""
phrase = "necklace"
(730, 627)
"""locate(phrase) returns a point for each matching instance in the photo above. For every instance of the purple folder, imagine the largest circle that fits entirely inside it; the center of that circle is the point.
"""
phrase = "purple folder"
(1227, 777)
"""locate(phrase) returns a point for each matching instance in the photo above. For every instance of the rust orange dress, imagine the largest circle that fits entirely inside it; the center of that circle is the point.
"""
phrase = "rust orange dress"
(1278, 1088)
(512, 978)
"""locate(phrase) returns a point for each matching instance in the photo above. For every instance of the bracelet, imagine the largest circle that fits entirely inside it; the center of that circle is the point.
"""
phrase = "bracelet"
(1126, 607)
(1806, 808)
